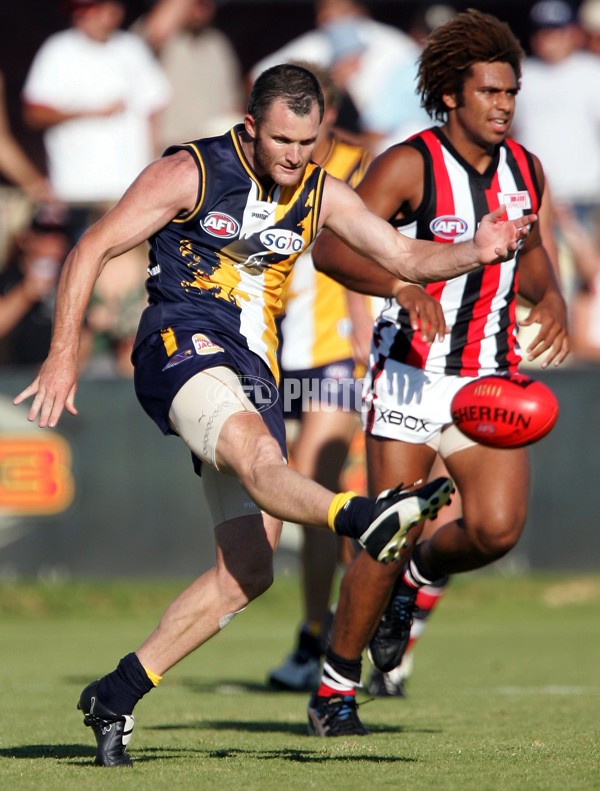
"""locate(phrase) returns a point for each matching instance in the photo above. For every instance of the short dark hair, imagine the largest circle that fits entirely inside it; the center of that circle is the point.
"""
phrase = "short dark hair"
(296, 86)
(453, 48)
(331, 93)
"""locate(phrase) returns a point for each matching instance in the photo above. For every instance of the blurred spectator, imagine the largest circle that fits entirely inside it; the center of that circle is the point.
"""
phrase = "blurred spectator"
(558, 117)
(29, 187)
(113, 315)
(396, 111)
(347, 50)
(28, 284)
(201, 65)
(589, 19)
(558, 114)
(359, 52)
(15, 165)
(585, 303)
(95, 90)
(426, 18)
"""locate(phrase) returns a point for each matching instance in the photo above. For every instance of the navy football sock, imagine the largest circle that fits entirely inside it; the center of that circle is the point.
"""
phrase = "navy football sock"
(355, 517)
(120, 690)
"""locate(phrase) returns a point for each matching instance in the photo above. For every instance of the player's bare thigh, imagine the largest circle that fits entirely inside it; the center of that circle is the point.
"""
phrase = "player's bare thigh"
(494, 486)
(450, 512)
(390, 461)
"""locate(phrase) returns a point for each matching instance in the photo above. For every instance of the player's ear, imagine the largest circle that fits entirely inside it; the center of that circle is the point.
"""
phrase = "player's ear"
(250, 124)
(450, 100)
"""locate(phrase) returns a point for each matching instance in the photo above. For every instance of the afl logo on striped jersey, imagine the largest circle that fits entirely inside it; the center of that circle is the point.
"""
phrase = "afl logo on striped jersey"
(448, 226)
(221, 225)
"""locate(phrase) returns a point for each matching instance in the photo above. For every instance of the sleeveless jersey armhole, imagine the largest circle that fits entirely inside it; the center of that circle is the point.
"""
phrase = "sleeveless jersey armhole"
(194, 152)
(410, 217)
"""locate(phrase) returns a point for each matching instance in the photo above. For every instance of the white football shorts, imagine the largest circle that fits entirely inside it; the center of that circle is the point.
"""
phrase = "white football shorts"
(408, 404)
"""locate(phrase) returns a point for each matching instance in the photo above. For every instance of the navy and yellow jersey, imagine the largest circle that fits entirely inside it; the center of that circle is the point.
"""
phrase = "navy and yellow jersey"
(223, 265)
(316, 327)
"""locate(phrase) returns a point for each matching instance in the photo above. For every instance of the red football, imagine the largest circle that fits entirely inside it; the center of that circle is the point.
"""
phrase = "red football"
(506, 411)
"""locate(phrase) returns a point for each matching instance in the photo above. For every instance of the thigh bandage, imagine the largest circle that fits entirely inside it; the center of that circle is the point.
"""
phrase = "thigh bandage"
(201, 407)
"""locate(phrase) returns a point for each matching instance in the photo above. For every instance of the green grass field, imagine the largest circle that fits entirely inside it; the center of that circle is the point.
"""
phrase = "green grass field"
(505, 695)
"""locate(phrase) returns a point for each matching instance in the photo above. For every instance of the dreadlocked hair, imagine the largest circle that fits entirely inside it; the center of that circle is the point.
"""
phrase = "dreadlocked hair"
(451, 50)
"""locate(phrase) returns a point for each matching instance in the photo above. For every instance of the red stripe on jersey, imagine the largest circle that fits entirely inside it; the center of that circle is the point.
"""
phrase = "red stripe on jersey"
(444, 198)
(524, 167)
(482, 307)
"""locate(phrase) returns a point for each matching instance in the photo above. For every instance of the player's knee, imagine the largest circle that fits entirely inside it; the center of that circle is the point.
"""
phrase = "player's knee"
(248, 584)
(257, 580)
(248, 590)
(498, 535)
(263, 453)
(261, 583)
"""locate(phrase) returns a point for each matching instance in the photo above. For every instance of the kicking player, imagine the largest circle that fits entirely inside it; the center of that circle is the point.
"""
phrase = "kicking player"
(438, 185)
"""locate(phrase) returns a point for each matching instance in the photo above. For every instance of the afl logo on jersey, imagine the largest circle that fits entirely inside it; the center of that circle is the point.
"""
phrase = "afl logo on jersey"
(221, 225)
(448, 226)
(278, 240)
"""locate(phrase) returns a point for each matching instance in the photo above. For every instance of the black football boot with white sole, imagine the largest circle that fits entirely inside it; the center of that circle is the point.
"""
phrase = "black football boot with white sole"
(400, 510)
(112, 731)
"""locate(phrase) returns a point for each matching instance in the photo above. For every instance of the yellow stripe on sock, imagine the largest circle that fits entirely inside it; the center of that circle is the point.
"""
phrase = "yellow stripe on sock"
(336, 505)
(154, 677)
(313, 628)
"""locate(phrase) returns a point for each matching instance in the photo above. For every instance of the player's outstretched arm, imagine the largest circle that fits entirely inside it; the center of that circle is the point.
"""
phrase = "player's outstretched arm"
(416, 261)
(163, 190)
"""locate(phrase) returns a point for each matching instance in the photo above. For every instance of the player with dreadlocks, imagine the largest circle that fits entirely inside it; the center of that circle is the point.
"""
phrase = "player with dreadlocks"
(437, 185)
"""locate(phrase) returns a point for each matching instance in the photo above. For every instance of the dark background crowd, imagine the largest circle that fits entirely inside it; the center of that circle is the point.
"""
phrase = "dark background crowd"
(255, 28)
(204, 55)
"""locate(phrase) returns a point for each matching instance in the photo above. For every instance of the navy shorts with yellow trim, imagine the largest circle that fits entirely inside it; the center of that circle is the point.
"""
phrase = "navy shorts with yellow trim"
(163, 363)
